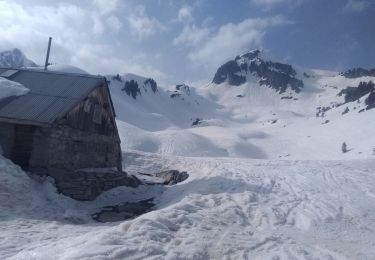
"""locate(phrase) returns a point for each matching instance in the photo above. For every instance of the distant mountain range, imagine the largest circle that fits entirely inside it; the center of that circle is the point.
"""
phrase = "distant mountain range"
(254, 107)
(15, 59)
(253, 67)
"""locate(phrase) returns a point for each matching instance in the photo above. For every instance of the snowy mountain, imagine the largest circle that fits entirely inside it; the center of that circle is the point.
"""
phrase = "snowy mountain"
(134, 85)
(268, 175)
(276, 75)
(359, 72)
(15, 59)
(65, 69)
(253, 108)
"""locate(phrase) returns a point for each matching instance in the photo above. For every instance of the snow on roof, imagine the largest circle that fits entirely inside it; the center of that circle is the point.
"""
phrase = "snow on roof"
(10, 88)
(51, 94)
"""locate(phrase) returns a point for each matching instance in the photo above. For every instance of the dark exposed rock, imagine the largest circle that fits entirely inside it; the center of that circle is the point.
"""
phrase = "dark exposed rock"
(183, 88)
(173, 95)
(358, 72)
(352, 94)
(131, 210)
(196, 122)
(321, 111)
(180, 90)
(117, 78)
(345, 111)
(172, 176)
(306, 75)
(370, 101)
(124, 211)
(229, 72)
(87, 184)
(276, 75)
(250, 55)
(131, 88)
(287, 97)
(152, 83)
(240, 96)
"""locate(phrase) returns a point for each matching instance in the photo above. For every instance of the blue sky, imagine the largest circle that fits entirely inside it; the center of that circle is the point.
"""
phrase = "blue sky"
(183, 41)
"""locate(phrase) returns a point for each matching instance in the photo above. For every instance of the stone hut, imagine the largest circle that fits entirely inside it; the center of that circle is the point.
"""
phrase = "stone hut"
(65, 128)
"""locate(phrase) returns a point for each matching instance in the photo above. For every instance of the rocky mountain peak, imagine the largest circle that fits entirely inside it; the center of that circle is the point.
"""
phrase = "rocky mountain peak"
(276, 75)
(15, 59)
(249, 55)
(135, 85)
(358, 72)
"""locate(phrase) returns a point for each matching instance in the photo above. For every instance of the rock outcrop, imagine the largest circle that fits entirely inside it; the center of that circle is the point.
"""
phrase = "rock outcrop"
(278, 76)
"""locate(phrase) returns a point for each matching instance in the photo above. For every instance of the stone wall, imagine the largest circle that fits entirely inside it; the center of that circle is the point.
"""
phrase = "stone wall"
(64, 153)
(65, 148)
(90, 183)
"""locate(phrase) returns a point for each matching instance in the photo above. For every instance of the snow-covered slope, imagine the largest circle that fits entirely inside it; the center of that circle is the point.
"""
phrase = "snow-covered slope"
(227, 209)
(15, 59)
(263, 117)
(153, 110)
(261, 203)
(67, 69)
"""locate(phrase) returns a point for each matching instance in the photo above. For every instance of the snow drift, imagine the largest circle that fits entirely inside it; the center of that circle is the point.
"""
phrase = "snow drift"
(10, 88)
(227, 209)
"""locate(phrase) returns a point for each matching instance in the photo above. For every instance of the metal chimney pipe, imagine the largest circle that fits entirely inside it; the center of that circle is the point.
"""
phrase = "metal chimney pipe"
(47, 57)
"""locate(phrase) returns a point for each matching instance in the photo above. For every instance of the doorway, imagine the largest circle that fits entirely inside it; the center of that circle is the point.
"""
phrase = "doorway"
(23, 145)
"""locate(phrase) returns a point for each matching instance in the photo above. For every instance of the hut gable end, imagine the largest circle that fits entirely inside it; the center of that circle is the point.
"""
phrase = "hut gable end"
(93, 114)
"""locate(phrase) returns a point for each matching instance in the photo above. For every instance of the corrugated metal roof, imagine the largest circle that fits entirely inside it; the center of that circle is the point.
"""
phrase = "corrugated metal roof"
(8, 73)
(52, 94)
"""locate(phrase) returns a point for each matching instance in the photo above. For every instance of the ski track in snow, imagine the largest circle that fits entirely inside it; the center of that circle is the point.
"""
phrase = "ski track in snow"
(227, 209)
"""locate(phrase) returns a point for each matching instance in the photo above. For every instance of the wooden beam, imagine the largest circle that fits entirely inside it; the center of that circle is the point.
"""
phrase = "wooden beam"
(23, 122)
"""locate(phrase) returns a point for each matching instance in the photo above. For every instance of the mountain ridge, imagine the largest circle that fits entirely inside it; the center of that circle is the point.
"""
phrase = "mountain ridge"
(276, 75)
(15, 58)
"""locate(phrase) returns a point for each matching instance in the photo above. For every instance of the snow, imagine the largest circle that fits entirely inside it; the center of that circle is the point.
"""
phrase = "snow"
(62, 68)
(260, 125)
(267, 180)
(66, 68)
(10, 88)
(227, 209)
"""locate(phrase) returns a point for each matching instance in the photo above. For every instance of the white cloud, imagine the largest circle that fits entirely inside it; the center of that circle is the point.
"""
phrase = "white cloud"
(109, 62)
(355, 6)
(114, 23)
(97, 26)
(79, 37)
(231, 39)
(192, 35)
(185, 14)
(142, 25)
(106, 6)
(271, 3)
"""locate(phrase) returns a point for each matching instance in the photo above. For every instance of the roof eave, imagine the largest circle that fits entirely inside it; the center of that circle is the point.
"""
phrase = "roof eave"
(23, 122)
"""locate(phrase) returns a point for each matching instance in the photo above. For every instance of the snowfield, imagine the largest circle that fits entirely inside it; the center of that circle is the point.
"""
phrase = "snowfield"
(267, 179)
(227, 209)
(261, 124)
